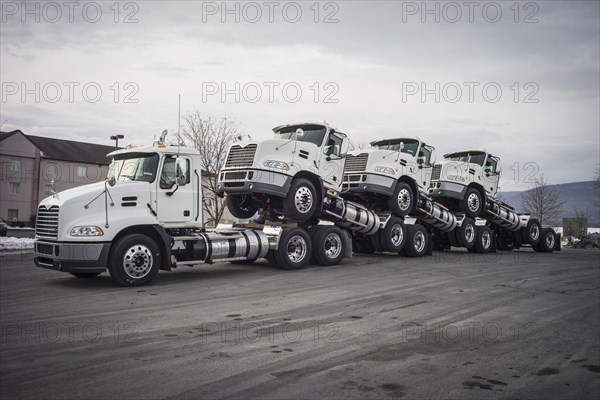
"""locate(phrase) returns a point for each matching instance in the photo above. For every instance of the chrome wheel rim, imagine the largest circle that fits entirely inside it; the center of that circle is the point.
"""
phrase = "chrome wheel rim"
(404, 199)
(419, 241)
(535, 232)
(397, 235)
(296, 248)
(469, 233)
(550, 240)
(333, 245)
(303, 199)
(486, 239)
(137, 261)
(473, 202)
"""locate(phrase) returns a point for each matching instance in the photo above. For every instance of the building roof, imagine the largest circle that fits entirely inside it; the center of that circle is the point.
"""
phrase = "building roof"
(67, 150)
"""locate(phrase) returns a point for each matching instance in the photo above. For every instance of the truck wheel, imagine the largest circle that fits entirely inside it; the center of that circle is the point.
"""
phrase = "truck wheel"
(301, 202)
(240, 206)
(416, 241)
(328, 245)
(294, 249)
(472, 203)
(466, 234)
(532, 233)
(393, 236)
(85, 275)
(134, 260)
(483, 244)
(547, 242)
(403, 200)
(505, 244)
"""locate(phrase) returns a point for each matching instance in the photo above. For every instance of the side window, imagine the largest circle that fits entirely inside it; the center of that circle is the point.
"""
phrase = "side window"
(167, 176)
(424, 156)
(490, 165)
(333, 146)
(187, 170)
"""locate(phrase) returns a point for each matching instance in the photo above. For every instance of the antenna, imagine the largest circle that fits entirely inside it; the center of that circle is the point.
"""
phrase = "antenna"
(179, 126)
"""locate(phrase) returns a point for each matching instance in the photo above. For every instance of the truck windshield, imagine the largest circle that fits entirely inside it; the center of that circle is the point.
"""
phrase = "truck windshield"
(140, 167)
(475, 157)
(312, 133)
(408, 146)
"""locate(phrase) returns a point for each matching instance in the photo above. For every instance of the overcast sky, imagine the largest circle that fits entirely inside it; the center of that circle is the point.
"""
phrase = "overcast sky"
(521, 81)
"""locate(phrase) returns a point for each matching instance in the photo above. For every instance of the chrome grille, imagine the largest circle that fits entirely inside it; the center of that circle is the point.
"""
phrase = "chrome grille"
(240, 156)
(436, 172)
(356, 163)
(46, 224)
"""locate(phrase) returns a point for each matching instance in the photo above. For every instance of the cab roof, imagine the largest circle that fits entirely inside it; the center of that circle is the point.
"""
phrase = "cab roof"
(468, 151)
(323, 124)
(156, 149)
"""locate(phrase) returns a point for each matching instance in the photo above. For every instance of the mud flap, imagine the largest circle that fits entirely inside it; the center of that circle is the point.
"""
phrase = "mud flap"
(429, 251)
(557, 238)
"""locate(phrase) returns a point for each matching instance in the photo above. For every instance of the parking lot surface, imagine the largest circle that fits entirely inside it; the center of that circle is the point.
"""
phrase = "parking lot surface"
(453, 325)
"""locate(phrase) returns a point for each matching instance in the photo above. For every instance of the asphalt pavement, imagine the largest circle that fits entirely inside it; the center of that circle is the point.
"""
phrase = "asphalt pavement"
(517, 325)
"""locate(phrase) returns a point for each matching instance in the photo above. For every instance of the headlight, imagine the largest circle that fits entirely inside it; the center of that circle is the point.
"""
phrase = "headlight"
(385, 170)
(457, 178)
(86, 231)
(277, 165)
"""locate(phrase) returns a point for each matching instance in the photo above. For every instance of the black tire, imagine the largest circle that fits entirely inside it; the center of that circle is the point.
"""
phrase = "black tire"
(505, 244)
(240, 206)
(85, 275)
(532, 233)
(134, 260)
(483, 244)
(393, 236)
(547, 242)
(416, 241)
(301, 202)
(375, 241)
(472, 203)
(295, 249)
(466, 234)
(364, 246)
(402, 202)
(328, 243)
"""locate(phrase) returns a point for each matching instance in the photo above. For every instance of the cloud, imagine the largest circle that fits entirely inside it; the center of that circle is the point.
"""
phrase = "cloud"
(353, 73)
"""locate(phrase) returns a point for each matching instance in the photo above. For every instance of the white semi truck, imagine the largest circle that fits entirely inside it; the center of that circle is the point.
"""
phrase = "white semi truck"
(148, 216)
(298, 175)
(467, 181)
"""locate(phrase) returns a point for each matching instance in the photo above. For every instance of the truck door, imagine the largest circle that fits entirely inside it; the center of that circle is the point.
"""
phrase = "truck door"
(424, 166)
(331, 163)
(174, 203)
(491, 174)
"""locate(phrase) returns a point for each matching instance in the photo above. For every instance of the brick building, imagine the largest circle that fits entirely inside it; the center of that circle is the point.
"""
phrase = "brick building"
(29, 163)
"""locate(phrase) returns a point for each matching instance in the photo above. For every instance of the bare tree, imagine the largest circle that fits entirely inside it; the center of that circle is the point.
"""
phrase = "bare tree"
(542, 201)
(211, 137)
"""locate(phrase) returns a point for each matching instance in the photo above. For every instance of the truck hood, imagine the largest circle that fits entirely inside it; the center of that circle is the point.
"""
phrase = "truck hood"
(84, 194)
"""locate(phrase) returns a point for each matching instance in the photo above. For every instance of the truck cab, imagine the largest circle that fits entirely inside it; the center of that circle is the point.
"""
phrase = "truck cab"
(288, 176)
(390, 174)
(466, 179)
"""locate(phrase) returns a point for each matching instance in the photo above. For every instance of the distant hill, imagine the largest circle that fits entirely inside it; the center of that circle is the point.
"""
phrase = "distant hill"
(579, 195)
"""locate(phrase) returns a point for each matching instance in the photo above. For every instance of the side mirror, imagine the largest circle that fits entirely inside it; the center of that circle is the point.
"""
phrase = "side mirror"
(182, 172)
(345, 146)
(299, 133)
(111, 181)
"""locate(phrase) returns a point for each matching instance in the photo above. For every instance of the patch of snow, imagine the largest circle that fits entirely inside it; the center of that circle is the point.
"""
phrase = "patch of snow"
(13, 243)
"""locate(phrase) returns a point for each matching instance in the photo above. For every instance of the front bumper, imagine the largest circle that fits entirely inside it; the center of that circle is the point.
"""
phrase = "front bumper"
(71, 257)
(447, 189)
(373, 183)
(247, 181)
